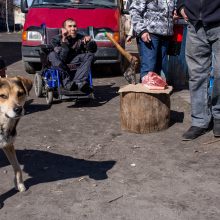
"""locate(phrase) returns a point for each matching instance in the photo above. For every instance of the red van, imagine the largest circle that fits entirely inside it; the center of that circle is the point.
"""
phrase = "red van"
(93, 17)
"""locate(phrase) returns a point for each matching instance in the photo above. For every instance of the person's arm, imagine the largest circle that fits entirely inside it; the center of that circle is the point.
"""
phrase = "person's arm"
(55, 41)
(136, 11)
(179, 5)
(88, 44)
(64, 51)
(181, 10)
(82, 40)
(130, 35)
(60, 46)
(86, 39)
(131, 31)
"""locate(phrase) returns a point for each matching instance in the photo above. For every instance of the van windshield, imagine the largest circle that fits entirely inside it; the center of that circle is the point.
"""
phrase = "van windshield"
(75, 3)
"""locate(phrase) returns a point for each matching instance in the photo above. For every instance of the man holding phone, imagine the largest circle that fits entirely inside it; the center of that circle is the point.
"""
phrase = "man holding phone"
(77, 51)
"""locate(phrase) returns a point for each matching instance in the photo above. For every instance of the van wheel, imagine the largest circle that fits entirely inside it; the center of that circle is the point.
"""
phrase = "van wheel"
(49, 97)
(31, 68)
(38, 85)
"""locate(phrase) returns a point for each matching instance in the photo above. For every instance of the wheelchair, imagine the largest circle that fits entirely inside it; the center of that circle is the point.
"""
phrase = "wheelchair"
(47, 82)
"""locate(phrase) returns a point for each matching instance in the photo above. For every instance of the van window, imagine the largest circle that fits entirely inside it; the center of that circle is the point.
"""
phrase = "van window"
(95, 3)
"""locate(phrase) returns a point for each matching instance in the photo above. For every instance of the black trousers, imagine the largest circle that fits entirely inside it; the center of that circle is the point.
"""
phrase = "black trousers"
(83, 65)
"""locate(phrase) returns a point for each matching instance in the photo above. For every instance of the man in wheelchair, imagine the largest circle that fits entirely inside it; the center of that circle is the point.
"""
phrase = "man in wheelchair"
(73, 53)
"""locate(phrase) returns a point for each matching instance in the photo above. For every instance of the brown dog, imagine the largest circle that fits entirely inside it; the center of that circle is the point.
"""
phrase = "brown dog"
(13, 93)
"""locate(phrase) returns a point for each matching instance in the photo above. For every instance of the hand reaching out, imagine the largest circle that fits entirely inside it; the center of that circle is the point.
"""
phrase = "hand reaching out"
(86, 39)
(182, 12)
(128, 39)
(175, 15)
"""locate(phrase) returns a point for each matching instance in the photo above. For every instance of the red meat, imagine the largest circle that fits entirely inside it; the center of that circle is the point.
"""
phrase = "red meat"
(154, 81)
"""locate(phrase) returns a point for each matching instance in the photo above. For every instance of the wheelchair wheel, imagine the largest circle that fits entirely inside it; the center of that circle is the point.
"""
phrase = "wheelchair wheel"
(38, 85)
(49, 97)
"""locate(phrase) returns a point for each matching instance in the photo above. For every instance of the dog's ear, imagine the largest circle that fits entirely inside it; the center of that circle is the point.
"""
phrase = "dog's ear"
(27, 83)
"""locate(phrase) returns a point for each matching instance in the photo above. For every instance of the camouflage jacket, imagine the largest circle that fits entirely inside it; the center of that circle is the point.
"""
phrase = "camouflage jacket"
(153, 16)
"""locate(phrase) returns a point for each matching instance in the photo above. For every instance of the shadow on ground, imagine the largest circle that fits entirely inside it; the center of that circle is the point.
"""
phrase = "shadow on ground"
(31, 108)
(102, 95)
(44, 167)
(176, 117)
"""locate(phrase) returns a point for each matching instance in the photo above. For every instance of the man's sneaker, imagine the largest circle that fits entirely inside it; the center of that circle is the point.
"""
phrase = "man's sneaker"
(216, 128)
(193, 133)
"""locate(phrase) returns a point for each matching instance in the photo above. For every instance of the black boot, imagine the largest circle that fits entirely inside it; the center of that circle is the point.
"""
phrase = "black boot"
(193, 133)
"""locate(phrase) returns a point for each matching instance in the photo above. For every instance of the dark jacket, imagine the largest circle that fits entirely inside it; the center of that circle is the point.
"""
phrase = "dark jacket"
(69, 49)
(205, 11)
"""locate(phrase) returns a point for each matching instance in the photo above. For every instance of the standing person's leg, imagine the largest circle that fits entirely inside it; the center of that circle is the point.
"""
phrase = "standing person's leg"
(148, 53)
(213, 36)
(198, 58)
(161, 67)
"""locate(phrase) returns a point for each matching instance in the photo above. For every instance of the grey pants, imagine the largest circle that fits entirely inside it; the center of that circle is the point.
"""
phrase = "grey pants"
(83, 63)
(202, 53)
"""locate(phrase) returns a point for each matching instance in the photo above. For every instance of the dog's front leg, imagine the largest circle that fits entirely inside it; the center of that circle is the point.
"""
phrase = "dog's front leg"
(11, 155)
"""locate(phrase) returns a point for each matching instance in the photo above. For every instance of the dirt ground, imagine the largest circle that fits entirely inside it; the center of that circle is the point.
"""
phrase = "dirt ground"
(78, 164)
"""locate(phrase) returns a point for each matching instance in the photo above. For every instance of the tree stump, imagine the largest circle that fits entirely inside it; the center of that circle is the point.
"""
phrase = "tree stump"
(144, 111)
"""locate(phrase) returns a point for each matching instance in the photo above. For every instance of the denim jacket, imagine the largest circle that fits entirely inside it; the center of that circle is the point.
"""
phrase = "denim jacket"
(153, 16)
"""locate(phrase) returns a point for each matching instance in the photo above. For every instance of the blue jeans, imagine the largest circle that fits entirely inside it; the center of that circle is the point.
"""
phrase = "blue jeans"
(202, 53)
(154, 55)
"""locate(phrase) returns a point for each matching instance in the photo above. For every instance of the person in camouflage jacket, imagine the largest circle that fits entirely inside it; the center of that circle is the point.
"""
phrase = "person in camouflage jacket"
(152, 21)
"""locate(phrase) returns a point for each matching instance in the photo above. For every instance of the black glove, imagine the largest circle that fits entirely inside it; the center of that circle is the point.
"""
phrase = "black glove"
(91, 46)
